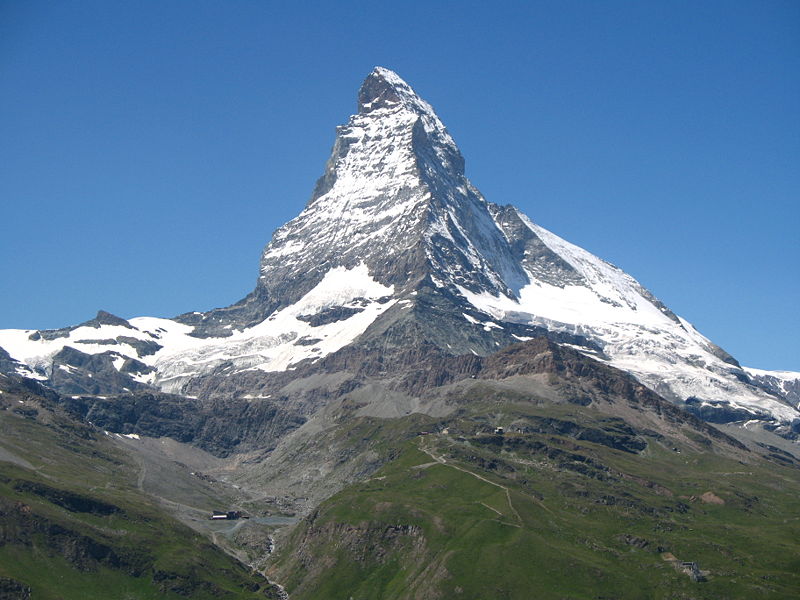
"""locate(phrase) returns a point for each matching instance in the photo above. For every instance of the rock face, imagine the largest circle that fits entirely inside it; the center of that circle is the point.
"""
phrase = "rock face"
(781, 383)
(222, 427)
(396, 249)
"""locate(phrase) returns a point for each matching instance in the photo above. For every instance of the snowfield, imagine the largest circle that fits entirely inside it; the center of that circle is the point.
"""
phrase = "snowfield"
(269, 346)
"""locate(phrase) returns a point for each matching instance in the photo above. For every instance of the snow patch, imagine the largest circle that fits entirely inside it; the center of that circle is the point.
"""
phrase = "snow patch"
(270, 345)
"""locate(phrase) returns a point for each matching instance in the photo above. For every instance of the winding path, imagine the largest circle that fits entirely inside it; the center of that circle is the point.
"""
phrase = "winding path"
(442, 460)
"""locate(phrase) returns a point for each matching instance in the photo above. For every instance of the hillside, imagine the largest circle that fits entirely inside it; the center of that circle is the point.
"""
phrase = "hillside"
(567, 502)
(74, 524)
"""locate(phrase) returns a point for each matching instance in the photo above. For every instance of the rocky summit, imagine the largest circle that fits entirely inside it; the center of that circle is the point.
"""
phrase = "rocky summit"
(423, 391)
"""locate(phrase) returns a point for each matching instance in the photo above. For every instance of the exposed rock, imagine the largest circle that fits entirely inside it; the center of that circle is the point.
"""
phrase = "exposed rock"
(102, 318)
(635, 541)
(143, 347)
(220, 427)
(330, 315)
(13, 590)
(75, 372)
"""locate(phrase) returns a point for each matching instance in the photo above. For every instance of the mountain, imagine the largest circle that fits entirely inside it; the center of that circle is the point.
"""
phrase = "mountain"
(395, 237)
(453, 401)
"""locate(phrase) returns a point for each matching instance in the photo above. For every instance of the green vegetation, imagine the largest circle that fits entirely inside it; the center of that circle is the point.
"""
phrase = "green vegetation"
(569, 502)
(537, 514)
(74, 525)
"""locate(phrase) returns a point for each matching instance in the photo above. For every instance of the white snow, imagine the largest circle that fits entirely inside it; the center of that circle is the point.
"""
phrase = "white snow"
(781, 375)
(38, 354)
(615, 312)
(487, 325)
(268, 346)
(118, 361)
(472, 320)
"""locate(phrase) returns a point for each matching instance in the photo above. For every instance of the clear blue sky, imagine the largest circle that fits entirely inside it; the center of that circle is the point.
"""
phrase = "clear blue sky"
(148, 150)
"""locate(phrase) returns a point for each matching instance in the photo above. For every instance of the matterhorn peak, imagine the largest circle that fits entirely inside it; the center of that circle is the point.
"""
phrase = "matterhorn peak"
(385, 89)
(393, 196)
(386, 97)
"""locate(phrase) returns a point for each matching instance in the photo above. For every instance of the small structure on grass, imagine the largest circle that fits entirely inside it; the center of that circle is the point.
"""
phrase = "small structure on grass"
(230, 515)
(692, 570)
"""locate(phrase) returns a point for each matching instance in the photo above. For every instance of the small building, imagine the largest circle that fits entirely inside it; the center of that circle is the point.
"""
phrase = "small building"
(692, 570)
(230, 515)
(499, 430)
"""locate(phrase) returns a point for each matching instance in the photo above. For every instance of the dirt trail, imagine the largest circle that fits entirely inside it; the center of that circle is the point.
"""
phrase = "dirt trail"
(443, 461)
(142, 474)
(492, 509)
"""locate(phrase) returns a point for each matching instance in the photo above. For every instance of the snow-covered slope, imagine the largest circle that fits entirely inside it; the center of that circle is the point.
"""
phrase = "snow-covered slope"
(324, 320)
(394, 216)
(783, 383)
(635, 331)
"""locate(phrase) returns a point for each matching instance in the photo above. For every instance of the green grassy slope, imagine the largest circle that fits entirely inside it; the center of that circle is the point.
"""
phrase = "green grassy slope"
(73, 523)
(544, 514)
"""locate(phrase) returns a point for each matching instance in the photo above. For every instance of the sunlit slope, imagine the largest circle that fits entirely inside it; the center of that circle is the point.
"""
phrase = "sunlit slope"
(566, 503)
(74, 525)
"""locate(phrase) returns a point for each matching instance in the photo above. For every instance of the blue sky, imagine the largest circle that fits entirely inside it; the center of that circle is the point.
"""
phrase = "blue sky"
(148, 150)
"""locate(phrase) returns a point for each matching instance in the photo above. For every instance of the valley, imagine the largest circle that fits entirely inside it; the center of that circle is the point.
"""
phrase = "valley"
(73, 506)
